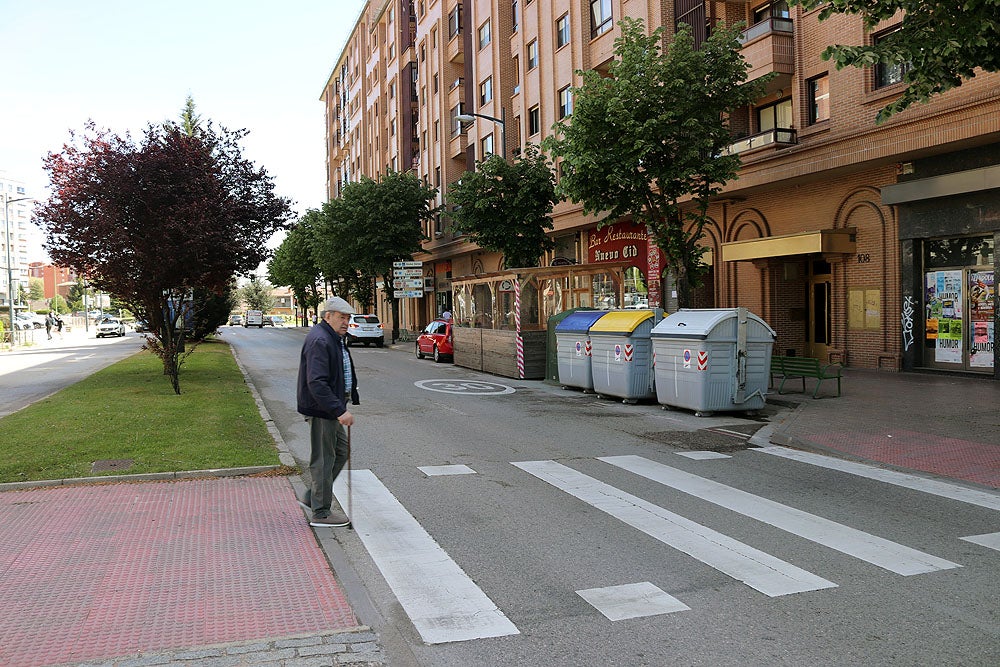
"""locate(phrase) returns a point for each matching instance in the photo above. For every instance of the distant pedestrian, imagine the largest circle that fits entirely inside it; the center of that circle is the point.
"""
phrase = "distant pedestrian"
(59, 326)
(446, 315)
(326, 383)
(49, 321)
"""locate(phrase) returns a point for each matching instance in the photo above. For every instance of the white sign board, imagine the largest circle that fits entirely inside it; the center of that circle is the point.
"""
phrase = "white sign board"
(407, 265)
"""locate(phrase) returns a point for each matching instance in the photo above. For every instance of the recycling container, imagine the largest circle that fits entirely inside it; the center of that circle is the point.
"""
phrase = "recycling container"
(622, 355)
(573, 348)
(712, 359)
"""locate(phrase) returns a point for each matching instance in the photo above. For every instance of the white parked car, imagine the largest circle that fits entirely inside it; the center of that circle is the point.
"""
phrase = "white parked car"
(365, 329)
(110, 326)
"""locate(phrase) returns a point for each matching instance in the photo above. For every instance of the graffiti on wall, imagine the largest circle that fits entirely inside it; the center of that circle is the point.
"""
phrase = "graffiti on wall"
(907, 318)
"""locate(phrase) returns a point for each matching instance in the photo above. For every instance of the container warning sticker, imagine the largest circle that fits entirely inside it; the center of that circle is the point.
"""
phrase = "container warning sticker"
(687, 358)
(579, 349)
(702, 360)
(618, 352)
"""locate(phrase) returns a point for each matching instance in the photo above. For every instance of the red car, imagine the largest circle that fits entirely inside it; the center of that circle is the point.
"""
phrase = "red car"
(435, 340)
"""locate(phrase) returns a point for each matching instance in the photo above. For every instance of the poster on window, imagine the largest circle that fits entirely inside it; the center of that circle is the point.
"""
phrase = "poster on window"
(943, 303)
(981, 314)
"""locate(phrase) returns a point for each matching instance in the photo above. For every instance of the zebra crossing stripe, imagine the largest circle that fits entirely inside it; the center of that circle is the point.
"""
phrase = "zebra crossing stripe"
(869, 548)
(932, 486)
(443, 603)
(763, 572)
(989, 540)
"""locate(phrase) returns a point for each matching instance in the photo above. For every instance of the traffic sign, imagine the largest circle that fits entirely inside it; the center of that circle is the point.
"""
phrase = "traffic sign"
(407, 265)
(407, 294)
(408, 283)
(407, 273)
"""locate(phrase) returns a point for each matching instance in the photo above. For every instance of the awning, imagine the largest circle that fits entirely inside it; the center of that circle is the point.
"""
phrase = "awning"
(806, 243)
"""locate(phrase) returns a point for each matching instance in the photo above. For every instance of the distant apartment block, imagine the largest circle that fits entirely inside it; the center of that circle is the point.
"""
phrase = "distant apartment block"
(873, 246)
(16, 228)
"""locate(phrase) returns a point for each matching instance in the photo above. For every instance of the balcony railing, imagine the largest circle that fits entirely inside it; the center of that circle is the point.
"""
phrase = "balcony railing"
(779, 136)
(767, 26)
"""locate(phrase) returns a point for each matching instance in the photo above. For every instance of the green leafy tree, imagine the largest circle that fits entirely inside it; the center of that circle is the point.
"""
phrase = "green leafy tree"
(372, 225)
(58, 305)
(211, 309)
(76, 294)
(648, 141)
(939, 44)
(504, 207)
(257, 295)
(36, 289)
(293, 264)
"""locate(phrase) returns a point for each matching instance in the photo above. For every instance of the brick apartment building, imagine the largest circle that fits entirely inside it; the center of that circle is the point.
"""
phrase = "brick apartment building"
(872, 245)
(55, 279)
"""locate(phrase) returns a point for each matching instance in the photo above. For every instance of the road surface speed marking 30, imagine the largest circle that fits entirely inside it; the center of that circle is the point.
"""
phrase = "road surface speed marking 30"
(469, 387)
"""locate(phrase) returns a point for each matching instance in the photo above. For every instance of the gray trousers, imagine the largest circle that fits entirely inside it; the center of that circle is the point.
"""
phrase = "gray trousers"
(328, 455)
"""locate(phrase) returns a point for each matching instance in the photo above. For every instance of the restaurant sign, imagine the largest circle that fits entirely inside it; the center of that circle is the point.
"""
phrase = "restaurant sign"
(620, 242)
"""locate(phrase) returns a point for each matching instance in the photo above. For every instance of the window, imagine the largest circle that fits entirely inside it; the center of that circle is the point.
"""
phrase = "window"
(889, 74)
(534, 121)
(435, 83)
(392, 51)
(565, 102)
(437, 130)
(517, 75)
(456, 124)
(515, 15)
(819, 99)
(486, 146)
(486, 91)
(775, 116)
(392, 90)
(600, 17)
(455, 21)
(562, 30)
(777, 9)
(533, 54)
(484, 34)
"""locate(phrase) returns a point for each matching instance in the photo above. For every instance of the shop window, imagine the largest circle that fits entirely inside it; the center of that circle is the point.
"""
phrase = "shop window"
(966, 251)
(819, 99)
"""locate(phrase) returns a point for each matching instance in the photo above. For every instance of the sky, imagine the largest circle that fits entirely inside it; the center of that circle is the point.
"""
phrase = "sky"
(124, 64)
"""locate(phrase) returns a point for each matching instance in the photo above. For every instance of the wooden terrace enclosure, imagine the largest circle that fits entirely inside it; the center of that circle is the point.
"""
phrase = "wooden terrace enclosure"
(493, 311)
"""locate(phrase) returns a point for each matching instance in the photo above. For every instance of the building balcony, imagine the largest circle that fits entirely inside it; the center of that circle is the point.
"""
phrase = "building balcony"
(769, 47)
(776, 138)
(456, 53)
(456, 92)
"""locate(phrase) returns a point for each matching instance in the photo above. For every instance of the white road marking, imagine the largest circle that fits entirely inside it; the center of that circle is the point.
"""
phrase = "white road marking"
(989, 540)
(703, 456)
(459, 469)
(865, 546)
(906, 480)
(756, 569)
(443, 603)
(465, 387)
(632, 601)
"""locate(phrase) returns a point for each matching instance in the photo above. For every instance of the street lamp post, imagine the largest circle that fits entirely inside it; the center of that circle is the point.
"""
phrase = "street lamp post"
(10, 269)
(501, 121)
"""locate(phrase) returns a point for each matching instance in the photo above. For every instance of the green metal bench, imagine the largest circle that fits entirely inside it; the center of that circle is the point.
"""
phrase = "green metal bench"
(804, 367)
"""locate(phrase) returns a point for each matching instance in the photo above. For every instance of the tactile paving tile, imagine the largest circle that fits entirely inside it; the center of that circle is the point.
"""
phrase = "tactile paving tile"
(92, 572)
(951, 457)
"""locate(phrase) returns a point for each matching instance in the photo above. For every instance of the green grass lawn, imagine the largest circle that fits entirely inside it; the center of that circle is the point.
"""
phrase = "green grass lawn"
(129, 411)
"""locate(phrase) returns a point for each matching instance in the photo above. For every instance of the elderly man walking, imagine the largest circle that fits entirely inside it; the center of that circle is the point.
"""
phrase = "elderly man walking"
(326, 383)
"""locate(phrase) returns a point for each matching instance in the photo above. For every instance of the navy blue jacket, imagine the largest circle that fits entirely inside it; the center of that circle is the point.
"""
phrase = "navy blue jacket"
(321, 391)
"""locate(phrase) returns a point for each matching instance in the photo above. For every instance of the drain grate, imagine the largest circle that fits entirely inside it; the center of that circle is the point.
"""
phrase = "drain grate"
(106, 465)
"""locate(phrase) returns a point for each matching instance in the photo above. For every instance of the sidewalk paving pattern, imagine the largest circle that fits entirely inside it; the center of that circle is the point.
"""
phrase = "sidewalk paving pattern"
(122, 569)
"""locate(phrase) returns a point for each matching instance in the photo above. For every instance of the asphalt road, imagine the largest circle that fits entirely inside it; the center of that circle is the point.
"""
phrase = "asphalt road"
(500, 522)
(30, 373)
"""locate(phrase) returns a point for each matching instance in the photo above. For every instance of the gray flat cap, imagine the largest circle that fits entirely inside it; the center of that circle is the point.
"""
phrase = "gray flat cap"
(337, 305)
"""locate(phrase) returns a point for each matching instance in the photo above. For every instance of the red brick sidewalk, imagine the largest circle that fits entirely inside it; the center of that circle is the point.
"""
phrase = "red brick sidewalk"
(90, 572)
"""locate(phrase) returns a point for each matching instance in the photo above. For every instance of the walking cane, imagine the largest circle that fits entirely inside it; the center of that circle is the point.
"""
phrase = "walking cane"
(350, 504)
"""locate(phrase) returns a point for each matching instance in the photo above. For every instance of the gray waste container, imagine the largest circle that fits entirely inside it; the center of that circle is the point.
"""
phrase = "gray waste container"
(574, 348)
(622, 361)
(713, 359)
